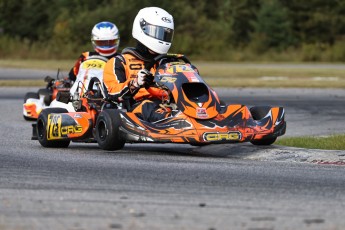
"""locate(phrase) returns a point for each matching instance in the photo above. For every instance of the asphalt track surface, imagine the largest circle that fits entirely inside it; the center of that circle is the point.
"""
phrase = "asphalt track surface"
(177, 186)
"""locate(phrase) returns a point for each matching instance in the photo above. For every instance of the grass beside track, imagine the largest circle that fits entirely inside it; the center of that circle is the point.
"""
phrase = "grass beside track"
(333, 142)
(22, 83)
(219, 74)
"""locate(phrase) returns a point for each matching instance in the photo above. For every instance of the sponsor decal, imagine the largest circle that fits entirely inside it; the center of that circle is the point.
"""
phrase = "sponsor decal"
(201, 113)
(55, 130)
(95, 64)
(179, 69)
(168, 79)
(228, 136)
(165, 19)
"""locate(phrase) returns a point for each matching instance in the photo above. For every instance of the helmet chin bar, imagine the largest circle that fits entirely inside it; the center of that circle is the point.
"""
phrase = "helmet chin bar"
(105, 52)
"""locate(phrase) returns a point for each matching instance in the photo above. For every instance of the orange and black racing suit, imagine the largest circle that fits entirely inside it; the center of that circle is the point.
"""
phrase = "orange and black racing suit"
(75, 69)
(118, 75)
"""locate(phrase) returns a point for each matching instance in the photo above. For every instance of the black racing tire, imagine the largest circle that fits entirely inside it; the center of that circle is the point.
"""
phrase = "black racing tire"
(108, 134)
(41, 127)
(259, 112)
(26, 97)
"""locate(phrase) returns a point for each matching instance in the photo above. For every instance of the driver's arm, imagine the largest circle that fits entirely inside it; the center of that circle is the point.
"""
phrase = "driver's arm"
(115, 78)
(75, 69)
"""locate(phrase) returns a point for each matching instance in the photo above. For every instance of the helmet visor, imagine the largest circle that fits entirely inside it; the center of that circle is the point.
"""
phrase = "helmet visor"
(106, 43)
(159, 32)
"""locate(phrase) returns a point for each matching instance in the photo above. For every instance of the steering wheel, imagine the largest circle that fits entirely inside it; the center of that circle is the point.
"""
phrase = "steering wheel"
(159, 92)
(149, 65)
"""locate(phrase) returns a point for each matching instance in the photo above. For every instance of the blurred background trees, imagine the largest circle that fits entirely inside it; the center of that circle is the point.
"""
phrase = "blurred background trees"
(219, 30)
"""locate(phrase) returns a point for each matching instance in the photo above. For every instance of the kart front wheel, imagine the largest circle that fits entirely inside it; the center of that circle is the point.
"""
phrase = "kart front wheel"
(258, 113)
(41, 129)
(108, 134)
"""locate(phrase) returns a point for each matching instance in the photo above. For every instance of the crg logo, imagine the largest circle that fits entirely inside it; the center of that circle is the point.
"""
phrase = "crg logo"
(55, 130)
(229, 136)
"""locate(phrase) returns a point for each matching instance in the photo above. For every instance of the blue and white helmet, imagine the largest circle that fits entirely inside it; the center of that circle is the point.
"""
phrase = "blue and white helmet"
(105, 38)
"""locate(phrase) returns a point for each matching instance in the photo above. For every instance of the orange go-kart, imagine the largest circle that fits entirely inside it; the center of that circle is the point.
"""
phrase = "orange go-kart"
(198, 116)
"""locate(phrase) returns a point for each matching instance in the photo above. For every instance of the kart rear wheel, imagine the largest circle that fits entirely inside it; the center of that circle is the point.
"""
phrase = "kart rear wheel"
(41, 127)
(259, 112)
(108, 134)
(26, 97)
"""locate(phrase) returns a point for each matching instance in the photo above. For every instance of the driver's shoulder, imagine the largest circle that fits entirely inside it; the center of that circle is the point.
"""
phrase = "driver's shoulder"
(133, 54)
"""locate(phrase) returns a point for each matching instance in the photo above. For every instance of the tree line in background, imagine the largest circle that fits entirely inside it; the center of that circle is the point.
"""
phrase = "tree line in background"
(222, 30)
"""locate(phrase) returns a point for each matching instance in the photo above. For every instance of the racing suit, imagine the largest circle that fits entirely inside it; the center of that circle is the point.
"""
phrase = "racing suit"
(118, 76)
(75, 69)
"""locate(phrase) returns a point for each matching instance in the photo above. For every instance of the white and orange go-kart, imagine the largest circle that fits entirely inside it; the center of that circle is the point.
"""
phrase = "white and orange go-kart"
(35, 102)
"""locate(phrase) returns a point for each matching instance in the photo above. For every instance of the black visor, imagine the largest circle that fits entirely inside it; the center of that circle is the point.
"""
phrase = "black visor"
(161, 33)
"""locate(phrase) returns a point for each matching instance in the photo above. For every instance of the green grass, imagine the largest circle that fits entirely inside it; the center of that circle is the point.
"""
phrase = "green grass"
(22, 83)
(222, 74)
(269, 75)
(37, 64)
(333, 142)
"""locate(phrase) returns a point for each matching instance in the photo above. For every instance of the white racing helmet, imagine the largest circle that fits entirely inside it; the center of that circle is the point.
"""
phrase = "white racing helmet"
(105, 38)
(154, 28)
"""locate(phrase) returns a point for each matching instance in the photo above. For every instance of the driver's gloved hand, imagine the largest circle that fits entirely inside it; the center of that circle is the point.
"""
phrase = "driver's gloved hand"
(144, 79)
